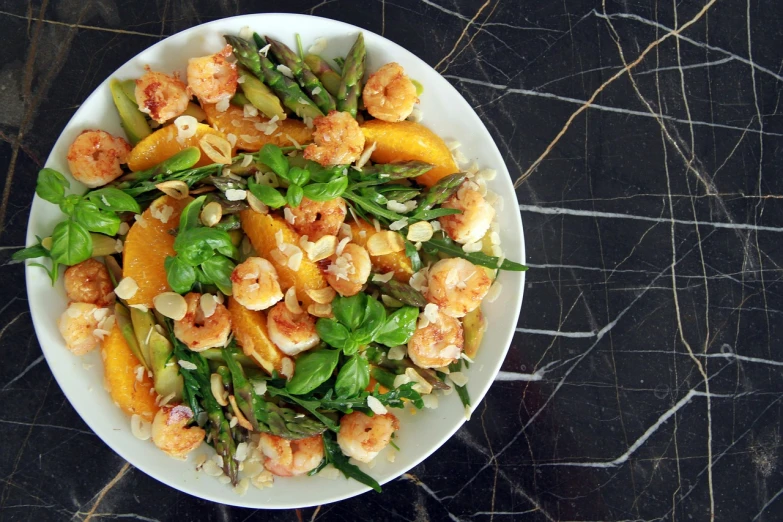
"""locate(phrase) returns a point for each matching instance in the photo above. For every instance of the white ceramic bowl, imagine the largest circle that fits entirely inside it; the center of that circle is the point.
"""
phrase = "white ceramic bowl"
(445, 112)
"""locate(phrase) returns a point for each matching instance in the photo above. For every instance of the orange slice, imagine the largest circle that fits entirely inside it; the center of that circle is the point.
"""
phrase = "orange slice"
(396, 262)
(251, 138)
(163, 144)
(120, 369)
(146, 247)
(250, 331)
(408, 141)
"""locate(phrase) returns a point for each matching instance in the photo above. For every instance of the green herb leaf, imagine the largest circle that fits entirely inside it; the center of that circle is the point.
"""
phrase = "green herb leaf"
(51, 273)
(68, 204)
(326, 191)
(477, 258)
(30, 252)
(269, 196)
(71, 243)
(180, 275)
(298, 176)
(87, 214)
(350, 310)
(272, 156)
(332, 333)
(51, 185)
(340, 461)
(189, 218)
(294, 195)
(312, 369)
(218, 270)
(196, 245)
(110, 198)
(399, 327)
(353, 377)
(372, 322)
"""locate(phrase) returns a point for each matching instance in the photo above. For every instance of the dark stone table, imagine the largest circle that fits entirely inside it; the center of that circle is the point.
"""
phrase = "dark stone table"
(644, 382)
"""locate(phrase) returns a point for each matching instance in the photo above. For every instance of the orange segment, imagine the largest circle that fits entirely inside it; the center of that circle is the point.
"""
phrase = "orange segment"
(408, 141)
(397, 262)
(146, 248)
(250, 331)
(261, 229)
(162, 144)
(119, 369)
(233, 121)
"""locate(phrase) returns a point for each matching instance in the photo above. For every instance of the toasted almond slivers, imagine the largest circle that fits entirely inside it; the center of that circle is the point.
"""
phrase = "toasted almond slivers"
(216, 385)
(321, 295)
(320, 310)
(140, 428)
(256, 204)
(420, 231)
(421, 386)
(216, 148)
(323, 248)
(176, 189)
(127, 288)
(385, 242)
(208, 304)
(241, 419)
(291, 301)
(287, 367)
(211, 214)
(170, 304)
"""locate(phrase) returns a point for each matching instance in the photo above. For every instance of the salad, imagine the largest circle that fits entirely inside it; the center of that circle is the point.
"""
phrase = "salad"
(275, 256)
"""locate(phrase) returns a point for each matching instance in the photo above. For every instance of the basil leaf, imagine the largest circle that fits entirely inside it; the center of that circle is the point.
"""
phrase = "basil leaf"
(477, 258)
(373, 195)
(218, 270)
(350, 310)
(399, 327)
(351, 346)
(94, 219)
(30, 252)
(353, 377)
(294, 195)
(269, 196)
(312, 369)
(413, 255)
(272, 156)
(196, 245)
(110, 198)
(180, 275)
(189, 218)
(68, 204)
(298, 176)
(372, 322)
(51, 185)
(332, 333)
(71, 243)
(321, 174)
(340, 461)
(326, 191)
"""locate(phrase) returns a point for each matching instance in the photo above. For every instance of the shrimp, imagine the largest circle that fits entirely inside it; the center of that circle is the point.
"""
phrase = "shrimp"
(316, 219)
(288, 458)
(169, 432)
(161, 96)
(292, 333)
(348, 271)
(457, 286)
(475, 219)
(338, 140)
(95, 157)
(363, 437)
(212, 78)
(89, 282)
(254, 284)
(199, 332)
(389, 94)
(437, 344)
(78, 324)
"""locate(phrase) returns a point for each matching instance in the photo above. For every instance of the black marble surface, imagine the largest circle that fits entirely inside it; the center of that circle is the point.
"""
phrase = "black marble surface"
(644, 382)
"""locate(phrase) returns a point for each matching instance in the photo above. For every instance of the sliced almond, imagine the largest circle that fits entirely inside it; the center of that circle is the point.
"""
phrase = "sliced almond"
(127, 288)
(241, 419)
(176, 189)
(385, 242)
(256, 204)
(320, 310)
(170, 304)
(291, 301)
(321, 295)
(420, 231)
(211, 214)
(208, 304)
(323, 248)
(217, 148)
(218, 390)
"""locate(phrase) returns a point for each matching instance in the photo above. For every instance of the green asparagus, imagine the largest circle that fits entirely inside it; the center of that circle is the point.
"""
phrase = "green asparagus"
(303, 75)
(260, 96)
(351, 84)
(289, 92)
(328, 76)
(386, 172)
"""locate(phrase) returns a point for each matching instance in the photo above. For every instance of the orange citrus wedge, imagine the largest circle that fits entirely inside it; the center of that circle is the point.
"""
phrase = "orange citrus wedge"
(163, 144)
(251, 138)
(249, 328)
(120, 366)
(396, 262)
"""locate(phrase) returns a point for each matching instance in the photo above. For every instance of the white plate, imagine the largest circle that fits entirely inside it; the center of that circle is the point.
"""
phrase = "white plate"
(445, 112)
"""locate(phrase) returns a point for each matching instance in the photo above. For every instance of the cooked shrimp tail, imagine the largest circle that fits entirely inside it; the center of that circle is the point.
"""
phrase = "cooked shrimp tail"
(389, 94)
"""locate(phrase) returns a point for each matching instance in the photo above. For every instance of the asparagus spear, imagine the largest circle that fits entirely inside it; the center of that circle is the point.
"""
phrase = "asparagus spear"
(303, 75)
(320, 67)
(260, 96)
(351, 84)
(288, 91)
(392, 171)
(402, 292)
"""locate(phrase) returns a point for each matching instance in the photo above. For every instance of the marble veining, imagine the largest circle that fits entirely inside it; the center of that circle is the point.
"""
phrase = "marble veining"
(645, 378)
